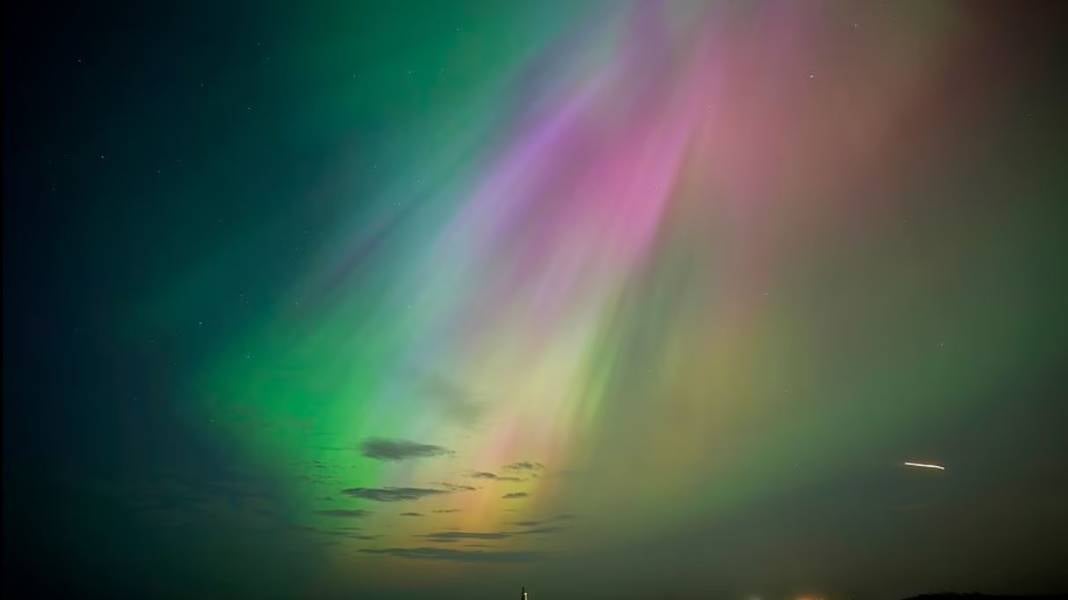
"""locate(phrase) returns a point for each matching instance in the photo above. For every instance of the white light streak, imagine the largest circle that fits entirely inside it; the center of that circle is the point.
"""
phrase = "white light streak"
(924, 465)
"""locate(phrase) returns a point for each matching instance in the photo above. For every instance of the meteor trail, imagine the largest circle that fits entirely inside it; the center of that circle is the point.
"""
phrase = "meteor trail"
(924, 466)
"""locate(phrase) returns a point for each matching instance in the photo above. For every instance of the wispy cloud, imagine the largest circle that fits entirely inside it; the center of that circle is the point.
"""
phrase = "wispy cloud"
(392, 494)
(515, 495)
(411, 514)
(447, 510)
(354, 513)
(536, 523)
(493, 476)
(345, 532)
(525, 465)
(394, 450)
(456, 487)
(449, 554)
(455, 536)
(537, 530)
(452, 536)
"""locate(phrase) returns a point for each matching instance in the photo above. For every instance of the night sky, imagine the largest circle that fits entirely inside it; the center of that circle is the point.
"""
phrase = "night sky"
(397, 299)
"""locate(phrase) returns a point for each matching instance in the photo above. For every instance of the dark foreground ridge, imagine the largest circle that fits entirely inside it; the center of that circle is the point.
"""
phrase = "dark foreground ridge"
(988, 597)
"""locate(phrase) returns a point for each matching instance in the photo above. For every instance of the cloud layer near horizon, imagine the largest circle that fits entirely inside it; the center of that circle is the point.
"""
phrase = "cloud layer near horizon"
(396, 450)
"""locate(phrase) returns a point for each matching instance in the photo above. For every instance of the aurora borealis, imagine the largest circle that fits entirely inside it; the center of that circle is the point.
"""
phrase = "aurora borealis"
(607, 299)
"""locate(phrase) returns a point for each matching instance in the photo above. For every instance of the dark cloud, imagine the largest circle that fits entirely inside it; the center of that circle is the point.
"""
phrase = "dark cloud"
(457, 488)
(450, 554)
(537, 530)
(411, 514)
(515, 495)
(452, 536)
(524, 465)
(561, 517)
(393, 450)
(392, 494)
(447, 510)
(346, 532)
(493, 476)
(340, 512)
